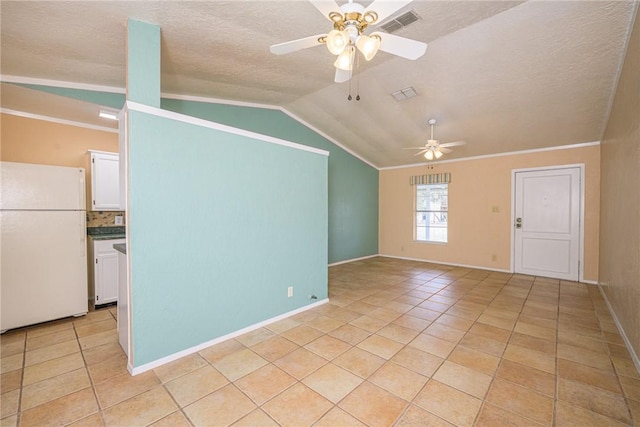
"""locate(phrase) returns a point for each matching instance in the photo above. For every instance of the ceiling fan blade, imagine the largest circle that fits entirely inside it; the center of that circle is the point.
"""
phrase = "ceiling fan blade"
(342, 75)
(386, 8)
(445, 150)
(453, 144)
(325, 7)
(295, 45)
(414, 148)
(396, 45)
(421, 152)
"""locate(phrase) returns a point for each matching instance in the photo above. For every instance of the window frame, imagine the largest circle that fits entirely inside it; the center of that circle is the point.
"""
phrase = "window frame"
(417, 211)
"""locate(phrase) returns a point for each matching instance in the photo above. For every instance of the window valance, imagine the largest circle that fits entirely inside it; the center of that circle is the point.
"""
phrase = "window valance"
(434, 178)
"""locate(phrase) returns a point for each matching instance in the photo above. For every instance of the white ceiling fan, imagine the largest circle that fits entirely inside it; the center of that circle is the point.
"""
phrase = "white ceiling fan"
(433, 149)
(348, 35)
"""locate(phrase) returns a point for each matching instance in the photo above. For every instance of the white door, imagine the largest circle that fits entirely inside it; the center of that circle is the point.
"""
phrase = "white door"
(547, 223)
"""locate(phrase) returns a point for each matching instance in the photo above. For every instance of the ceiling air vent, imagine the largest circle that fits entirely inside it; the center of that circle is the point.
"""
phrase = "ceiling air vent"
(400, 21)
(406, 93)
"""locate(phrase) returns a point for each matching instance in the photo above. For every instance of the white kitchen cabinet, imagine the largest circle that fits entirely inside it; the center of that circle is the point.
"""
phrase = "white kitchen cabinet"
(123, 303)
(103, 271)
(105, 181)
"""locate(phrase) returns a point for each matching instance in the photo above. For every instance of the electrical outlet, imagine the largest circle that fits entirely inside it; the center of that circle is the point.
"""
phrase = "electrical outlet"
(290, 292)
(118, 220)
(495, 209)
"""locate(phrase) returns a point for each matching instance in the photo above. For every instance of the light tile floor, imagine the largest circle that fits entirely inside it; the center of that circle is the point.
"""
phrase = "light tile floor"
(400, 343)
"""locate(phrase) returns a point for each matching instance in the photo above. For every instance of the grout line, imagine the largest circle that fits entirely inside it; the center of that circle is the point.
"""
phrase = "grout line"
(390, 284)
(91, 382)
(24, 367)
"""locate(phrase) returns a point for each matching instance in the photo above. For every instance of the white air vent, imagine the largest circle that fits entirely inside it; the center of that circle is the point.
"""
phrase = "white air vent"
(399, 22)
(406, 93)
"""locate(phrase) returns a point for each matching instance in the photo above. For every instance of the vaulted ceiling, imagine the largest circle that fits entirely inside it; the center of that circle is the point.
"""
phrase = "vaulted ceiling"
(503, 76)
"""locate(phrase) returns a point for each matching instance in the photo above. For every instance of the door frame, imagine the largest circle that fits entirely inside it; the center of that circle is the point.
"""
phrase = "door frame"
(581, 214)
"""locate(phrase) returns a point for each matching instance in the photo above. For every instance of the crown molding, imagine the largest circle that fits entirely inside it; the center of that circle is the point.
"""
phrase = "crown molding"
(58, 83)
(490, 156)
(208, 100)
(56, 120)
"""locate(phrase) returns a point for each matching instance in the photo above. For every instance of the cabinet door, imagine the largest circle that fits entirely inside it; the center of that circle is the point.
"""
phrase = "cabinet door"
(106, 277)
(106, 270)
(105, 182)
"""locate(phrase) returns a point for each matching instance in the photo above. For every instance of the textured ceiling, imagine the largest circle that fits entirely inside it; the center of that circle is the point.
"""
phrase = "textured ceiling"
(504, 76)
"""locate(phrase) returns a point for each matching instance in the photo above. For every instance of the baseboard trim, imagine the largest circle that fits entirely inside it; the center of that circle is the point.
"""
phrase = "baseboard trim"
(352, 260)
(589, 282)
(476, 267)
(175, 356)
(627, 343)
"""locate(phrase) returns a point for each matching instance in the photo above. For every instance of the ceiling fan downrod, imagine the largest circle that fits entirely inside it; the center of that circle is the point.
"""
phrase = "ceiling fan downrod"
(432, 123)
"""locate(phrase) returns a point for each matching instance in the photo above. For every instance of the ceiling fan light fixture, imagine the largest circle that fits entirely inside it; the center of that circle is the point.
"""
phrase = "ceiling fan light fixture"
(429, 155)
(345, 59)
(368, 46)
(437, 153)
(337, 41)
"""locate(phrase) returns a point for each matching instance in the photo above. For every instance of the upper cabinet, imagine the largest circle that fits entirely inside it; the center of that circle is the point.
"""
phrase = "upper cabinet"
(105, 181)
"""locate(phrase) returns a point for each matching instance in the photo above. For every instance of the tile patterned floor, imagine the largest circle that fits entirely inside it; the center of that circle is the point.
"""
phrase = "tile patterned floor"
(401, 343)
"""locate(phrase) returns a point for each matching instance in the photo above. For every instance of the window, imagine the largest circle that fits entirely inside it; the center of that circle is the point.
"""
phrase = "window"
(431, 212)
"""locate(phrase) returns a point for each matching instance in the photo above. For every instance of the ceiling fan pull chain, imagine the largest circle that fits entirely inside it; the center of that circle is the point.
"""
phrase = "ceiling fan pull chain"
(349, 98)
(357, 78)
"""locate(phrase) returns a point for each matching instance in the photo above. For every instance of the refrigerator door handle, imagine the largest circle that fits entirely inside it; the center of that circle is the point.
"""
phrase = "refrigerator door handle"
(81, 190)
(83, 233)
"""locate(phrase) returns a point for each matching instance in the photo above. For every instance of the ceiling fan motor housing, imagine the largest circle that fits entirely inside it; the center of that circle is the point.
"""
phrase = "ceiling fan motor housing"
(353, 19)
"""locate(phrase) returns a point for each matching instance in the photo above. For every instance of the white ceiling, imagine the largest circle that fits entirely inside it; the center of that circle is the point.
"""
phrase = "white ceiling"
(504, 76)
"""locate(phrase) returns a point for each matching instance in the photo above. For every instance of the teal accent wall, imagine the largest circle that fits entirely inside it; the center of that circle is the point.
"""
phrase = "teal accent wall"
(143, 63)
(353, 184)
(106, 99)
(221, 225)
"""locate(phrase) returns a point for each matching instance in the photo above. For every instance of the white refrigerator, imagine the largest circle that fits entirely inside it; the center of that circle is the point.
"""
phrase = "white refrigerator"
(43, 249)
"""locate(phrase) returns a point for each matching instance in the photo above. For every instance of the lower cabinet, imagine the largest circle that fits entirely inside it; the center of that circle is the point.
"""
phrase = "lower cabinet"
(103, 271)
(123, 304)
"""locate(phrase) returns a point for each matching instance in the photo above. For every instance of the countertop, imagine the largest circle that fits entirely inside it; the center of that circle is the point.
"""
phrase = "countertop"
(108, 236)
(121, 247)
(106, 233)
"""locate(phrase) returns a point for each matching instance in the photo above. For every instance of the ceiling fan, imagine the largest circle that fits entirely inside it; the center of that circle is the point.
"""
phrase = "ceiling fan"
(348, 35)
(433, 148)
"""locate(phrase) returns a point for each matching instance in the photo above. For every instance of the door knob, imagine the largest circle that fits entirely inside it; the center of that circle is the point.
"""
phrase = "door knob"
(518, 222)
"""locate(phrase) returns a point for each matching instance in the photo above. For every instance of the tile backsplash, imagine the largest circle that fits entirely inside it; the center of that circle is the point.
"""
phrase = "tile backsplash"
(103, 218)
